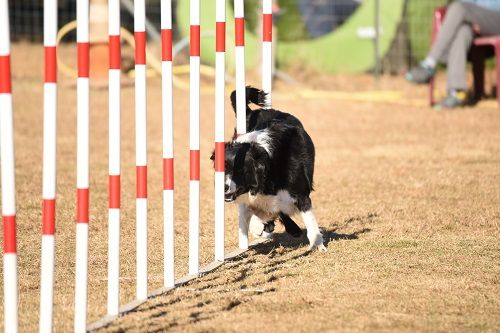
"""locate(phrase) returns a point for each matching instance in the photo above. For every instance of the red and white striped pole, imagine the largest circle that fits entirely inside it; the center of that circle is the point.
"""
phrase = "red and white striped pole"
(114, 157)
(220, 73)
(49, 165)
(141, 150)
(241, 128)
(194, 138)
(8, 177)
(168, 145)
(267, 49)
(82, 165)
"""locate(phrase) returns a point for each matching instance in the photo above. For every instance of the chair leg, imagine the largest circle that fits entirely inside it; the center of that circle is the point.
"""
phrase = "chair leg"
(478, 58)
(431, 92)
(497, 69)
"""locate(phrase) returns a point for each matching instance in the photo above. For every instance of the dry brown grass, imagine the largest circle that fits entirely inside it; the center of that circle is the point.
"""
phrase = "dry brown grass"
(409, 200)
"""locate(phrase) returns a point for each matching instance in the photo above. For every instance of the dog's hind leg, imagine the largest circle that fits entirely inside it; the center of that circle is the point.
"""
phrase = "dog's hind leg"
(313, 233)
(290, 226)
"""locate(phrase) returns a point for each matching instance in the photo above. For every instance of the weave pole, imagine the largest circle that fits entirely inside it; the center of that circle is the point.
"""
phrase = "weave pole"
(220, 73)
(8, 177)
(141, 150)
(194, 138)
(168, 145)
(49, 166)
(114, 107)
(239, 52)
(267, 49)
(82, 165)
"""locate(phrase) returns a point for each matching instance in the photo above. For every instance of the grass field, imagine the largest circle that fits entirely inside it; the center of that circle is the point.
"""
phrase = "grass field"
(408, 198)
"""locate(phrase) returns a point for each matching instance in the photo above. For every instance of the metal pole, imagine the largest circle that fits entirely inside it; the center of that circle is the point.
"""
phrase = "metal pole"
(376, 39)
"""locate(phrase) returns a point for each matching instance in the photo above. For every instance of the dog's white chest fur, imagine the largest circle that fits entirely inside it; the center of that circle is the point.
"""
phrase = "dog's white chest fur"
(267, 207)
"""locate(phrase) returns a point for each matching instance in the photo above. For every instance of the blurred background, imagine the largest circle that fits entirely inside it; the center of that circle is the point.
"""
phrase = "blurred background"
(308, 27)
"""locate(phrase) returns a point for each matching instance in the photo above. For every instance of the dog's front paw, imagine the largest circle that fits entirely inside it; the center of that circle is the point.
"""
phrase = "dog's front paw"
(256, 227)
(320, 247)
(316, 242)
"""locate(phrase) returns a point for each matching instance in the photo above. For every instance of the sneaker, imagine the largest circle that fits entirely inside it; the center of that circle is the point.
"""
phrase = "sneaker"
(454, 99)
(420, 74)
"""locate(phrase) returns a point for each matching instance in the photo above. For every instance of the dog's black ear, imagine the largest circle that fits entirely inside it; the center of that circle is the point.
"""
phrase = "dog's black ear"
(233, 100)
(213, 156)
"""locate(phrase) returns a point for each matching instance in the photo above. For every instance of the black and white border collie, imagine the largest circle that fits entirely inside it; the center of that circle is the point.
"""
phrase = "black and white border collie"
(270, 170)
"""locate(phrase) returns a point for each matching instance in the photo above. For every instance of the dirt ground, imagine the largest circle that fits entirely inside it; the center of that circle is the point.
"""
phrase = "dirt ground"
(408, 199)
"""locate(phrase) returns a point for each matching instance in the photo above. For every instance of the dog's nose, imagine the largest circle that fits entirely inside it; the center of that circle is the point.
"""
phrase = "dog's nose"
(226, 188)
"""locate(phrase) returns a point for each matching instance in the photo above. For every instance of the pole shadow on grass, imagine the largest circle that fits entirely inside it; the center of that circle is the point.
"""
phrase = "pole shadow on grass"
(242, 280)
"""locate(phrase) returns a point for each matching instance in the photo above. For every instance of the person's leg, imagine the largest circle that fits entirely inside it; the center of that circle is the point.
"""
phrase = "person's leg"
(458, 14)
(457, 58)
(457, 65)
(454, 18)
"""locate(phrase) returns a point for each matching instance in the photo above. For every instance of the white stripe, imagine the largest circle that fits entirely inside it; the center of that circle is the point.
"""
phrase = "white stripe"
(81, 275)
(140, 115)
(267, 6)
(10, 292)
(166, 14)
(219, 215)
(114, 17)
(194, 103)
(113, 261)
(49, 22)
(240, 90)
(267, 70)
(219, 96)
(220, 11)
(82, 21)
(142, 248)
(114, 121)
(194, 12)
(139, 16)
(168, 239)
(167, 111)
(243, 227)
(239, 10)
(194, 227)
(4, 28)
(49, 140)
(7, 156)
(260, 137)
(82, 133)
(47, 283)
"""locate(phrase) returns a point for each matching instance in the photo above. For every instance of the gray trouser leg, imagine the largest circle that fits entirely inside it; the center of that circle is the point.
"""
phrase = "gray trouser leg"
(458, 14)
(457, 58)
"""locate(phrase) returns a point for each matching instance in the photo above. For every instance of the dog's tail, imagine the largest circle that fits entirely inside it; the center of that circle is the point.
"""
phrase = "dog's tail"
(253, 95)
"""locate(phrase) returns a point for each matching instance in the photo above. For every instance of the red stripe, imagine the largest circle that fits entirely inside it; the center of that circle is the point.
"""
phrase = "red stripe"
(194, 165)
(267, 28)
(82, 205)
(83, 59)
(219, 157)
(140, 48)
(141, 181)
(9, 234)
(114, 191)
(114, 52)
(166, 44)
(194, 45)
(50, 64)
(220, 36)
(168, 173)
(49, 217)
(239, 24)
(5, 80)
